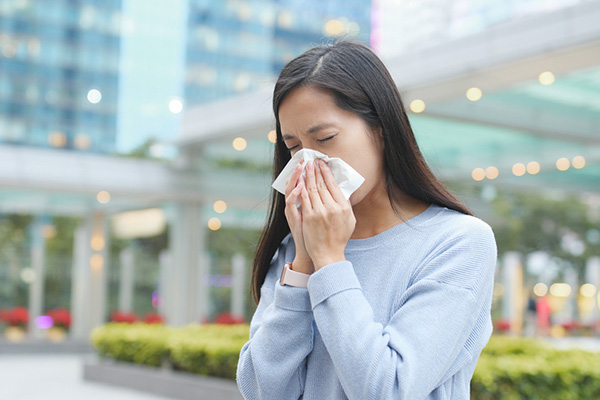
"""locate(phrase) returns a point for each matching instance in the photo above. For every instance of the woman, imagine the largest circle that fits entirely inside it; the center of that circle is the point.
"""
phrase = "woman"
(397, 296)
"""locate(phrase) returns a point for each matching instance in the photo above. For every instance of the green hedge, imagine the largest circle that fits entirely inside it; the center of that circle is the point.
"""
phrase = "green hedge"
(516, 368)
(509, 368)
(203, 349)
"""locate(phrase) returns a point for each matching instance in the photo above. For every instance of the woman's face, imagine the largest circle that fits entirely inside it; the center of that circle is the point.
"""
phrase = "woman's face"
(310, 119)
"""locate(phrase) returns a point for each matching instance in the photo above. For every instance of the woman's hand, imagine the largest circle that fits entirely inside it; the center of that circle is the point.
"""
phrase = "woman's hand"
(327, 217)
(302, 262)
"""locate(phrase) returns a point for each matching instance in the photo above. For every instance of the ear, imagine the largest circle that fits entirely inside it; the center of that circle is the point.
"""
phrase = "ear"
(377, 135)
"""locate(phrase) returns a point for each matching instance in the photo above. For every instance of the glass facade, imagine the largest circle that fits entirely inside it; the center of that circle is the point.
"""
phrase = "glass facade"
(59, 69)
(411, 25)
(238, 46)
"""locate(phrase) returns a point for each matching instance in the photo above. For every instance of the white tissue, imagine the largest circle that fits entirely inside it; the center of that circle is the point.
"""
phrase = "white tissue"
(346, 177)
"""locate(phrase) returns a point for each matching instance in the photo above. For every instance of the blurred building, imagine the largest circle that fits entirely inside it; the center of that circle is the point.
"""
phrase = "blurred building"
(59, 73)
(239, 46)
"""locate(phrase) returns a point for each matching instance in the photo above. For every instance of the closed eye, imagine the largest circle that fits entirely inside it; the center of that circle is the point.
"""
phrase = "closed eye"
(326, 139)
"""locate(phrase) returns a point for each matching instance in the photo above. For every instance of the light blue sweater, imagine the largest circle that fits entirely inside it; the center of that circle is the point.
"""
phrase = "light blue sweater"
(405, 317)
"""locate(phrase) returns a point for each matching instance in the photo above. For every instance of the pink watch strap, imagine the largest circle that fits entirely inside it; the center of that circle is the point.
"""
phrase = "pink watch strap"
(293, 278)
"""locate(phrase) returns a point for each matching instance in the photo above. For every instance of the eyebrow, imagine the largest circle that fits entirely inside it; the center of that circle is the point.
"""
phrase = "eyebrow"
(312, 130)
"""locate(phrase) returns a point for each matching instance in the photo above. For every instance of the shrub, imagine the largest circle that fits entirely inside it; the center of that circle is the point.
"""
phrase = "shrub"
(509, 368)
(515, 368)
(132, 342)
(202, 349)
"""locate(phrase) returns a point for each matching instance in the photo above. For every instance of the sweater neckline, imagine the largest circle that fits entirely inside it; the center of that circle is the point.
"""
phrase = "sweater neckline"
(381, 238)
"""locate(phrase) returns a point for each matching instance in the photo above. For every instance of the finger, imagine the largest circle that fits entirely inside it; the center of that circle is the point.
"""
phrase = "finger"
(305, 200)
(311, 185)
(322, 186)
(292, 202)
(332, 185)
(294, 178)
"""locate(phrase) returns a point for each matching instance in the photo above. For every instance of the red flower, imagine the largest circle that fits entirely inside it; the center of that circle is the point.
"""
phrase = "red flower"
(502, 325)
(16, 316)
(570, 326)
(121, 316)
(61, 317)
(227, 318)
(153, 318)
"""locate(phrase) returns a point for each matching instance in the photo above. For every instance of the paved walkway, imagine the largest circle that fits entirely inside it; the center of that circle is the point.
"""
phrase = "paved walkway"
(55, 377)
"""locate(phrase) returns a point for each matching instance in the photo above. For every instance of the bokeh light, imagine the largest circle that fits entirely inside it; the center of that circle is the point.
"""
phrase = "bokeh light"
(334, 27)
(96, 261)
(560, 290)
(57, 139)
(94, 96)
(533, 167)
(491, 172)
(214, 224)
(587, 290)
(103, 197)
(97, 243)
(540, 289)
(27, 275)
(519, 169)
(220, 206)
(546, 78)
(562, 164)
(176, 106)
(417, 106)
(474, 94)
(82, 141)
(239, 144)
(272, 136)
(44, 322)
(578, 162)
(478, 174)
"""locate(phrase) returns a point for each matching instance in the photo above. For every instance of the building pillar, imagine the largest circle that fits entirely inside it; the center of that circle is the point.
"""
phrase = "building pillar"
(36, 287)
(127, 279)
(90, 265)
(186, 243)
(238, 289)
(203, 288)
(512, 304)
(592, 276)
(163, 282)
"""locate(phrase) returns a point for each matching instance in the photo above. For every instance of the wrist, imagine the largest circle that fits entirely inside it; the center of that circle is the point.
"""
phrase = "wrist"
(322, 262)
(303, 265)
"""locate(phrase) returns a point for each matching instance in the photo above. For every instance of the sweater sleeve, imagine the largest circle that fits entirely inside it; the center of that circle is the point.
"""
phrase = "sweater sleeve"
(272, 363)
(439, 324)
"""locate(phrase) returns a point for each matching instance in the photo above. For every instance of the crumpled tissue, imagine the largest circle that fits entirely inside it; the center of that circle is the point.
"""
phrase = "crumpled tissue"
(346, 177)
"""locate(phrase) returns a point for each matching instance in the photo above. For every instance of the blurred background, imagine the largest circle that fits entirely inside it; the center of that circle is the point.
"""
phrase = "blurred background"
(136, 142)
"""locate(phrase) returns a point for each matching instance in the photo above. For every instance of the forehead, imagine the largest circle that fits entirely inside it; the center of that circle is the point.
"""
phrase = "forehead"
(308, 105)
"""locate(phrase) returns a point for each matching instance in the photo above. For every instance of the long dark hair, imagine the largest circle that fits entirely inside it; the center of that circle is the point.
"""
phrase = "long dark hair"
(361, 84)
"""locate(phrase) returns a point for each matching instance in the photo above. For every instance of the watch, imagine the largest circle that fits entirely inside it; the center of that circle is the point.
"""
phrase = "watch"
(293, 278)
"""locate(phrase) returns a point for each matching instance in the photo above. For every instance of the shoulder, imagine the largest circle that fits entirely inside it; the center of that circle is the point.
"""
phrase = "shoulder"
(449, 227)
(461, 250)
